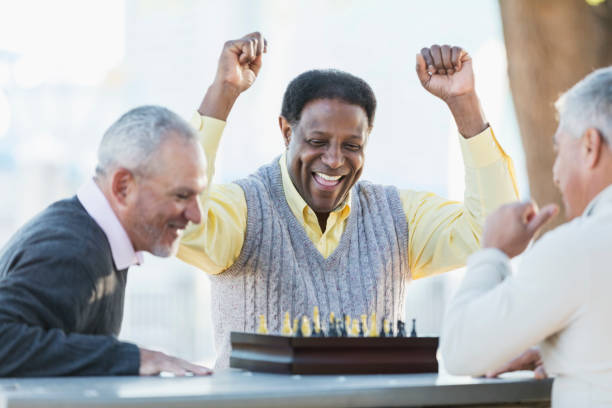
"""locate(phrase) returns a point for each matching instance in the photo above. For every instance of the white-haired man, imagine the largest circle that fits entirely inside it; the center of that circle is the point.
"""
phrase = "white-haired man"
(63, 274)
(560, 296)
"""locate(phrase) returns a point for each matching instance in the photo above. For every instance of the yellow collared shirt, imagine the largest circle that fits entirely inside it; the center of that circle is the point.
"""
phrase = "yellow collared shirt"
(442, 233)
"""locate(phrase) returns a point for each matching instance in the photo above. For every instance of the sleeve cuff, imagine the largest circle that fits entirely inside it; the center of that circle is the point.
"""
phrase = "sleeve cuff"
(126, 360)
(481, 150)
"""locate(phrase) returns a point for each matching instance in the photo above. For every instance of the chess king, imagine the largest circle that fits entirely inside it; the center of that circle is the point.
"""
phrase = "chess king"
(303, 231)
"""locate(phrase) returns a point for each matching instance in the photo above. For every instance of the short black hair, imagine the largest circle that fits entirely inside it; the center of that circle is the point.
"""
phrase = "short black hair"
(327, 84)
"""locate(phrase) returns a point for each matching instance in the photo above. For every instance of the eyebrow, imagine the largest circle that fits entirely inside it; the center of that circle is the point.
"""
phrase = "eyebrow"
(320, 132)
(183, 190)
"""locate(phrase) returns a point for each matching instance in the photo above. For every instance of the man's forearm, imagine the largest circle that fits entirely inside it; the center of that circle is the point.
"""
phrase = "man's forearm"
(218, 101)
(32, 351)
(468, 114)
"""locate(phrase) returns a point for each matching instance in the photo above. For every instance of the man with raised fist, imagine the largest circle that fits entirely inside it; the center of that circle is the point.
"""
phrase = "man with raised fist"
(302, 231)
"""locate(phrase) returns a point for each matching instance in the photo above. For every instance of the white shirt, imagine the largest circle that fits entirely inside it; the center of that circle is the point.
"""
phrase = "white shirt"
(98, 207)
(560, 297)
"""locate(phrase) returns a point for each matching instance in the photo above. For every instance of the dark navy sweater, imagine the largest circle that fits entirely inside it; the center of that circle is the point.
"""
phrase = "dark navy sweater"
(61, 299)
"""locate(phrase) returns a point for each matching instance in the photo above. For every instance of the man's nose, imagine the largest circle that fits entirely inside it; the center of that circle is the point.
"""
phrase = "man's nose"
(193, 211)
(333, 157)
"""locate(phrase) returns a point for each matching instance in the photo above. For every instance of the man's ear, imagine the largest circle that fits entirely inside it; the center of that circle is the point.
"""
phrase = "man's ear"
(122, 184)
(592, 143)
(285, 128)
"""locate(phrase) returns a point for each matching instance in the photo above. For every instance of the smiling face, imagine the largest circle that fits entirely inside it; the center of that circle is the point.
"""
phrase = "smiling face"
(325, 151)
(161, 204)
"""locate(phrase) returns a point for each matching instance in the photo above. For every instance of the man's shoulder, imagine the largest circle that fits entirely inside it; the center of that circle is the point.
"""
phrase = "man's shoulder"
(569, 245)
(266, 178)
(367, 188)
(64, 219)
(64, 230)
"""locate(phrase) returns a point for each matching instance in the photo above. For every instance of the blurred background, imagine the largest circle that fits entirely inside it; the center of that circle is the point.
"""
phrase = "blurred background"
(69, 68)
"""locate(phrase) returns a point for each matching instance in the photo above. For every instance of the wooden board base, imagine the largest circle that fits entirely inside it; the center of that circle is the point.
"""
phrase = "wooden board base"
(333, 355)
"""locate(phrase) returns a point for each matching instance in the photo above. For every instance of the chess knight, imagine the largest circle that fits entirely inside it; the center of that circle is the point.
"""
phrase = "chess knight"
(303, 230)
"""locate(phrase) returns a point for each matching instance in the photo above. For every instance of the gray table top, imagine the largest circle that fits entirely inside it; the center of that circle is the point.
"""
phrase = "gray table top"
(233, 387)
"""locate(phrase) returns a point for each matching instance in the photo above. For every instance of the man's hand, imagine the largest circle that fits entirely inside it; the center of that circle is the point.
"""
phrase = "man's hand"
(529, 360)
(154, 362)
(238, 67)
(511, 227)
(446, 72)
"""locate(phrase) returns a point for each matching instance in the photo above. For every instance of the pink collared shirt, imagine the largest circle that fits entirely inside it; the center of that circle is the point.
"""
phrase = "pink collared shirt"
(98, 207)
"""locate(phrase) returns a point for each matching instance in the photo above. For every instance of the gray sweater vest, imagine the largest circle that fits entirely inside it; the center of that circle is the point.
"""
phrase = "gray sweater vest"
(280, 270)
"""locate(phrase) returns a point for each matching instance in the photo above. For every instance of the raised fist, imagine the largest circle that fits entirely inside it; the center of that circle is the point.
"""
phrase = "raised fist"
(445, 71)
(240, 61)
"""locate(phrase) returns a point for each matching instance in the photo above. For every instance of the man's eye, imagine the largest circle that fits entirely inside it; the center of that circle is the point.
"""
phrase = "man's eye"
(182, 196)
(354, 147)
(316, 142)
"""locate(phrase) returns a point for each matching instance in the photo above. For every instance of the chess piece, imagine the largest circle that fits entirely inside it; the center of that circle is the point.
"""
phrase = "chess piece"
(305, 326)
(316, 323)
(373, 331)
(364, 325)
(355, 328)
(413, 332)
(299, 332)
(342, 329)
(347, 322)
(295, 327)
(391, 329)
(401, 330)
(384, 330)
(262, 328)
(286, 330)
(332, 329)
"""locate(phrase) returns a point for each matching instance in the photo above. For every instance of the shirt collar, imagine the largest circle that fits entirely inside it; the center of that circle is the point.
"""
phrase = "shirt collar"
(98, 207)
(604, 195)
(296, 202)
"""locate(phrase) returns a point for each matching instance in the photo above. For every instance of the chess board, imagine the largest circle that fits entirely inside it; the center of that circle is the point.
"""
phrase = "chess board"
(333, 355)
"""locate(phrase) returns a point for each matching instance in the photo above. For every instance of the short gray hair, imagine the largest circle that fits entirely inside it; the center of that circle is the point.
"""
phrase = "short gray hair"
(588, 104)
(133, 139)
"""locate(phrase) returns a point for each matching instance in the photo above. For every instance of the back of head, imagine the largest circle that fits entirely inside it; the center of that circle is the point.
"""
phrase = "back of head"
(131, 142)
(588, 104)
(327, 84)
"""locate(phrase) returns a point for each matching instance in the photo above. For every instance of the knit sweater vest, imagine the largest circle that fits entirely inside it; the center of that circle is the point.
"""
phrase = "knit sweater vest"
(280, 270)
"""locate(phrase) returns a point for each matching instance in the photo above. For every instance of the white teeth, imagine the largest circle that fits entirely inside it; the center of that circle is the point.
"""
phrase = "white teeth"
(328, 178)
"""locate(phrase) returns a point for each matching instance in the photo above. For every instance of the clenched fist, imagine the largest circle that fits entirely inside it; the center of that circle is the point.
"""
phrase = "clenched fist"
(238, 67)
(240, 61)
(445, 71)
(511, 227)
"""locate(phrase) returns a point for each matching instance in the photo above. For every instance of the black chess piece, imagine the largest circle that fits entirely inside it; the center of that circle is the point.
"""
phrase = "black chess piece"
(401, 330)
(391, 329)
(333, 329)
(299, 332)
(382, 328)
(343, 328)
(361, 332)
(413, 332)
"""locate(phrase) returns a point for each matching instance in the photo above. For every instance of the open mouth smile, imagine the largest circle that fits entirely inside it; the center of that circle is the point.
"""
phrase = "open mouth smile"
(327, 182)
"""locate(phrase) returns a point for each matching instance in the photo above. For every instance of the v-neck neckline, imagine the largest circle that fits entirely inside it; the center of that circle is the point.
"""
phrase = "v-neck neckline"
(303, 236)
